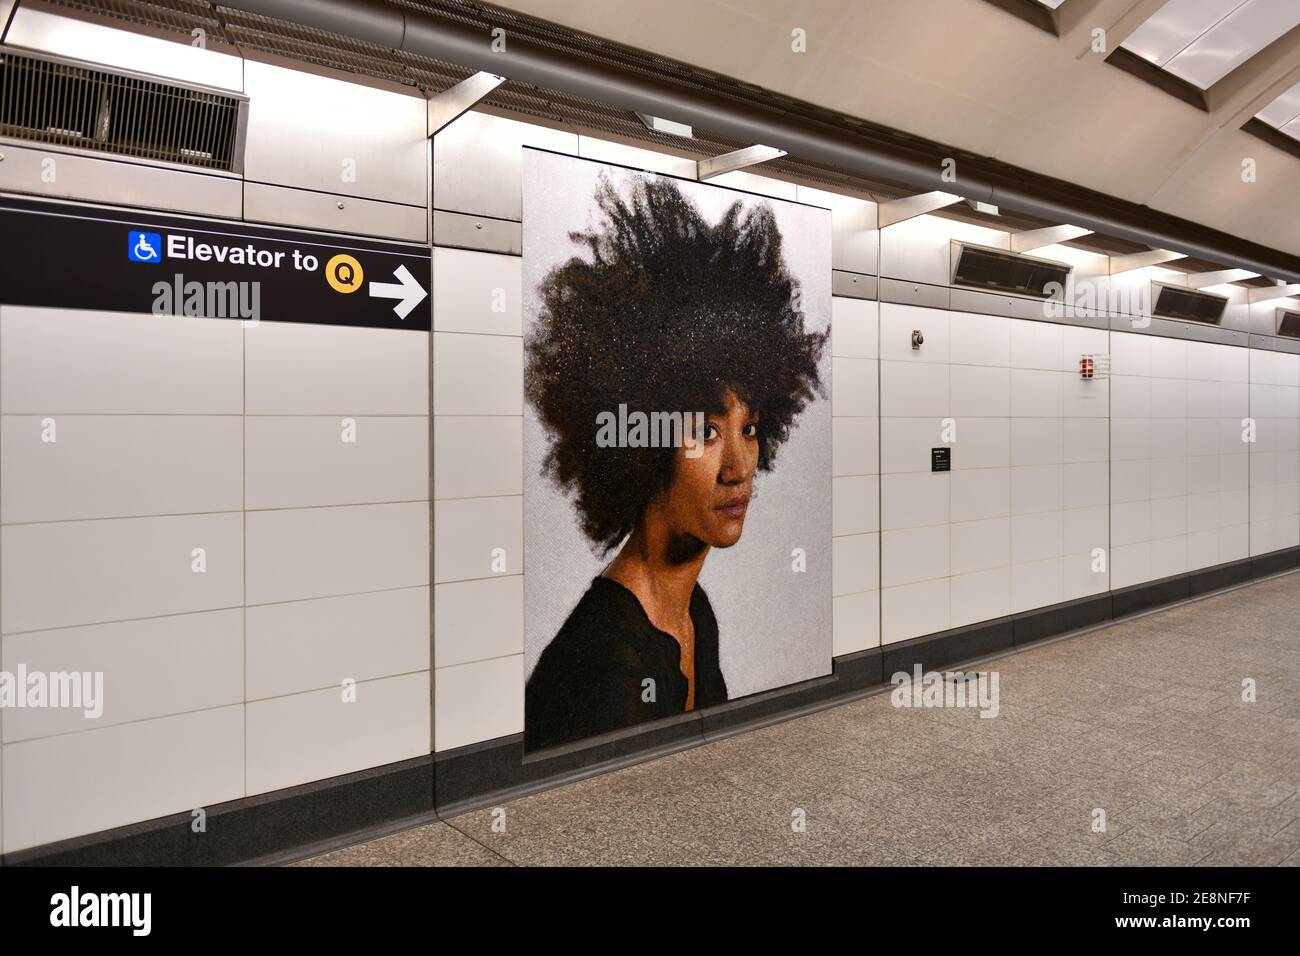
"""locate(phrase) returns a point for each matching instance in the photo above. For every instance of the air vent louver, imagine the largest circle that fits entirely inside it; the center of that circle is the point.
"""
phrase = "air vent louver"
(65, 104)
(1175, 302)
(1007, 272)
(1288, 323)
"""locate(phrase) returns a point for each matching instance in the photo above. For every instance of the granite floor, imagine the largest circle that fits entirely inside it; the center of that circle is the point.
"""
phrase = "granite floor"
(1143, 720)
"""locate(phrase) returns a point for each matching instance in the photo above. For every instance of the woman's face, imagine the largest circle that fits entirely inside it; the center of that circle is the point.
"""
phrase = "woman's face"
(710, 492)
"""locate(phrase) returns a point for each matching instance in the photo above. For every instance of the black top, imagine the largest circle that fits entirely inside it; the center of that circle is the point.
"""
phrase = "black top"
(588, 680)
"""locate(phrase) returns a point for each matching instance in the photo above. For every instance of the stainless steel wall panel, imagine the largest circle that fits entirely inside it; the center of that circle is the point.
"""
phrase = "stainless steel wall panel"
(477, 163)
(477, 232)
(915, 293)
(917, 255)
(71, 176)
(364, 217)
(854, 286)
(324, 134)
(1016, 307)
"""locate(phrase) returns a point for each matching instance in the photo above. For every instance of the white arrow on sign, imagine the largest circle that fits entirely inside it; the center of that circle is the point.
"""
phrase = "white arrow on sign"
(406, 289)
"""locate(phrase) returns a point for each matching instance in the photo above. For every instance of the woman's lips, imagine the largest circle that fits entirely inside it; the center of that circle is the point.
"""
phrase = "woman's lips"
(735, 507)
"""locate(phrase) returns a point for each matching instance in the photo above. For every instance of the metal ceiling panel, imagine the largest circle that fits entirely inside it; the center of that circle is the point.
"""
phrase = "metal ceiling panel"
(1175, 26)
(1283, 110)
(1234, 40)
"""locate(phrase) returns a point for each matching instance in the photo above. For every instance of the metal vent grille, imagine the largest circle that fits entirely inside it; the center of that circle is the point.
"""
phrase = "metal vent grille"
(53, 102)
(1007, 272)
(1288, 323)
(1173, 302)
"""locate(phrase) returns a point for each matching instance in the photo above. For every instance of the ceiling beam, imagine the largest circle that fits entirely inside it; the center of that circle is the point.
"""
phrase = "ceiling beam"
(909, 207)
(452, 103)
(1264, 294)
(1032, 239)
(1200, 280)
(1257, 82)
(1119, 18)
(1236, 98)
(737, 159)
(1142, 260)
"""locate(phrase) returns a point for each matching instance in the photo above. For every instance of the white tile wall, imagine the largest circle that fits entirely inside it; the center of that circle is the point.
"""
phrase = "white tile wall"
(477, 292)
(118, 466)
(478, 701)
(53, 361)
(165, 430)
(68, 573)
(478, 620)
(478, 456)
(1024, 506)
(326, 460)
(320, 734)
(299, 369)
(478, 492)
(1178, 464)
(855, 452)
(478, 538)
(309, 645)
(1274, 491)
(151, 668)
(478, 374)
(316, 552)
(135, 772)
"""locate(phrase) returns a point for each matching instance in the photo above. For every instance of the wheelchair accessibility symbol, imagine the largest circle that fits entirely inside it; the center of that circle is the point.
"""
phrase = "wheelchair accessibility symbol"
(144, 247)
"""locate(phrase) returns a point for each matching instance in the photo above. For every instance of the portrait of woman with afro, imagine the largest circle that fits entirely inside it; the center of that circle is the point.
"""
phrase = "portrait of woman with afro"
(665, 312)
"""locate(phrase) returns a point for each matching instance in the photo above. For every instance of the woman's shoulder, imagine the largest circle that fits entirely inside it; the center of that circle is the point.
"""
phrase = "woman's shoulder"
(604, 628)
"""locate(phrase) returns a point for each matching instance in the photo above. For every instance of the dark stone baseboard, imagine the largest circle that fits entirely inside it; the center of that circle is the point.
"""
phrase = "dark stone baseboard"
(466, 777)
(859, 670)
(253, 827)
(1143, 597)
(1217, 578)
(344, 808)
(934, 651)
(762, 708)
(1027, 627)
(1275, 563)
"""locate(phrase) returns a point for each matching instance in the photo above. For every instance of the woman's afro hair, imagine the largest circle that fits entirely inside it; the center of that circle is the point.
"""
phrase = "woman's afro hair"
(668, 314)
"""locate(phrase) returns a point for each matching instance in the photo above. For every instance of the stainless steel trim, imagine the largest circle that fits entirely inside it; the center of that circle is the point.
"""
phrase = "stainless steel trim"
(850, 285)
(736, 159)
(447, 106)
(477, 232)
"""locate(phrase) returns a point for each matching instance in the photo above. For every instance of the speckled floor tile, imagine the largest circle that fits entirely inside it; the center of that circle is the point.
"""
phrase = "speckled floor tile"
(1143, 719)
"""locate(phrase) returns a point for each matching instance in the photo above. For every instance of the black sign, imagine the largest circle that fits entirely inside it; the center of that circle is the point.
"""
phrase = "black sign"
(941, 459)
(83, 257)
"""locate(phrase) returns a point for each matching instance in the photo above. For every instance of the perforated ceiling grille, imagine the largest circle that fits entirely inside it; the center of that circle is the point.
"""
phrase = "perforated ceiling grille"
(53, 102)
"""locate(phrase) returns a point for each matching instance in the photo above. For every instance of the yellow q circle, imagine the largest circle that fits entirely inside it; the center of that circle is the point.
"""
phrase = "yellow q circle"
(343, 273)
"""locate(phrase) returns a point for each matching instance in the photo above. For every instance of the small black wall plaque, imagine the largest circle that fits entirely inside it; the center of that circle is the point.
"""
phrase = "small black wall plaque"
(941, 459)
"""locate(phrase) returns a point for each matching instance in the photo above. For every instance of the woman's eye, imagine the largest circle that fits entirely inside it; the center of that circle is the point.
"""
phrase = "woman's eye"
(710, 432)
(751, 430)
